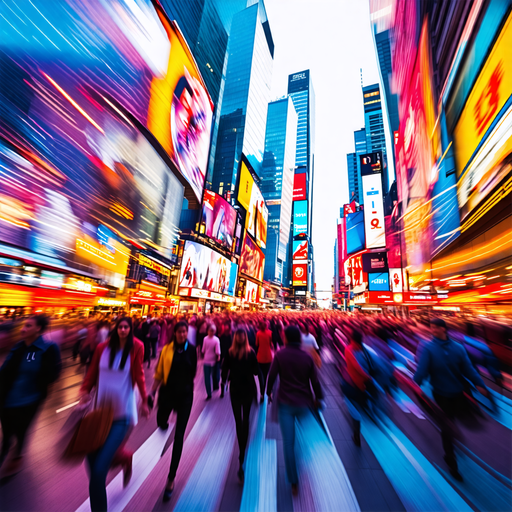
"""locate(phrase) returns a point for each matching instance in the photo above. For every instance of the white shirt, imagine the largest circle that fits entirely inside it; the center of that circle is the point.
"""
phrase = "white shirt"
(308, 340)
(115, 387)
(211, 349)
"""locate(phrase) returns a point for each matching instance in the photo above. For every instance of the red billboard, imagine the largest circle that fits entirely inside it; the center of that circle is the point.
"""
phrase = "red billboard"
(219, 218)
(300, 274)
(300, 250)
(253, 259)
(299, 187)
(349, 208)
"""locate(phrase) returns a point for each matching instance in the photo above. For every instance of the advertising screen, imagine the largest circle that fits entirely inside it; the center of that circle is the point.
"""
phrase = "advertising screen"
(300, 250)
(396, 280)
(349, 208)
(371, 163)
(358, 277)
(251, 292)
(300, 274)
(299, 187)
(219, 218)
(342, 247)
(393, 241)
(355, 232)
(375, 261)
(300, 217)
(205, 269)
(253, 259)
(378, 281)
(373, 212)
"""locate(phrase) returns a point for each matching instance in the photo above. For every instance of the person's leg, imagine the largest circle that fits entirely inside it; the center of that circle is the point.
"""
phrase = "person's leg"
(207, 369)
(164, 409)
(182, 416)
(99, 464)
(216, 375)
(447, 405)
(7, 419)
(25, 417)
(264, 368)
(154, 342)
(287, 423)
(246, 412)
(236, 405)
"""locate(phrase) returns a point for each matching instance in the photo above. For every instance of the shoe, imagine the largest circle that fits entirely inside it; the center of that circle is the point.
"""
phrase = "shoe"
(164, 426)
(454, 470)
(127, 472)
(240, 475)
(295, 489)
(222, 393)
(168, 491)
(356, 437)
(209, 397)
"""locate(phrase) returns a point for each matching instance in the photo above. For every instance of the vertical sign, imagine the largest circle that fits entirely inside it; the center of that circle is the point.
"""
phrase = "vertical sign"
(373, 211)
(395, 279)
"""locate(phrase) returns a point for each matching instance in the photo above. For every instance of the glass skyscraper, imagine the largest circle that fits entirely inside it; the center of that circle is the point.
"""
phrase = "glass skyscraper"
(277, 184)
(355, 186)
(243, 114)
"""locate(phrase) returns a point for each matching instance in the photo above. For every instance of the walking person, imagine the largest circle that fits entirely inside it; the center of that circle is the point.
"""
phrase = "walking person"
(239, 367)
(264, 355)
(297, 375)
(153, 334)
(116, 368)
(211, 358)
(447, 364)
(174, 375)
(31, 366)
(226, 340)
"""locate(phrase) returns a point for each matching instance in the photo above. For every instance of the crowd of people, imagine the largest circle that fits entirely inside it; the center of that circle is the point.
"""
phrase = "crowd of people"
(245, 353)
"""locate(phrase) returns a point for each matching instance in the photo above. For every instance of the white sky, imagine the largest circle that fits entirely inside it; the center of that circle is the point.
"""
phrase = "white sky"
(333, 39)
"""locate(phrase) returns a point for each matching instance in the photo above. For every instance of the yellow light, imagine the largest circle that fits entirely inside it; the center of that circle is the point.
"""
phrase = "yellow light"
(493, 277)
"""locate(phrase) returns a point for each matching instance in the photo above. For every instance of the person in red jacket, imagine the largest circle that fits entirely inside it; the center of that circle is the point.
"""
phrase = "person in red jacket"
(116, 368)
(264, 355)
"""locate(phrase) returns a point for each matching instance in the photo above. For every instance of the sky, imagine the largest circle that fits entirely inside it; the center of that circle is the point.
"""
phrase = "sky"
(333, 39)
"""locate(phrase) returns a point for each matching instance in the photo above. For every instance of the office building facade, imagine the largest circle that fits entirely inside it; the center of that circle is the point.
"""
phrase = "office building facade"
(277, 184)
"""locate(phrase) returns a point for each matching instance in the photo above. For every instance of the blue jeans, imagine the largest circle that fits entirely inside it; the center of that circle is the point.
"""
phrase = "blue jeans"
(211, 371)
(100, 462)
(287, 415)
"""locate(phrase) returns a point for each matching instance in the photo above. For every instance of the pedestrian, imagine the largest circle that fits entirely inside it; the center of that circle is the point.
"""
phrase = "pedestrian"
(447, 364)
(239, 368)
(30, 367)
(174, 376)
(211, 355)
(153, 334)
(192, 330)
(116, 368)
(142, 334)
(265, 347)
(226, 341)
(297, 375)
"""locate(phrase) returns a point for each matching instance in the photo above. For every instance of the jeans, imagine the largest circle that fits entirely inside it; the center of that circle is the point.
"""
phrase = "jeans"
(99, 464)
(287, 415)
(241, 412)
(211, 371)
(153, 342)
(262, 377)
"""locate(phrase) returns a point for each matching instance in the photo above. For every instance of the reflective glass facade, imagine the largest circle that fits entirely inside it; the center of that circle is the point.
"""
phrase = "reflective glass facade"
(277, 183)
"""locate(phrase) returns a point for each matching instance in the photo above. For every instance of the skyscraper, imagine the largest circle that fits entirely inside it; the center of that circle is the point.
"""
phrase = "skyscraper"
(277, 183)
(243, 115)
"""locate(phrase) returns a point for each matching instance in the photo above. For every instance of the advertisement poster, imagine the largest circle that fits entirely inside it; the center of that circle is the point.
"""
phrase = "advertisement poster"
(349, 208)
(375, 261)
(299, 187)
(300, 250)
(378, 282)
(355, 232)
(251, 292)
(358, 277)
(393, 241)
(219, 219)
(373, 212)
(371, 163)
(396, 280)
(300, 217)
(300, 274)
(205, 269)
(253, 259)
(342, 248)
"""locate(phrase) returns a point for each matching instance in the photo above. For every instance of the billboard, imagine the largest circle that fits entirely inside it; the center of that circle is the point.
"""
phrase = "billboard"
(355, 232)
(219, 219)
(375, 261)
(300, 250)
(251, 292)
(371, 163)
(373, 212)
(349, 208)
(250, 197)
(378, 281)
(300, 217)
(342, 248)
(299, 187)
(393, 241)
(205, 269)
(396, 280)
(253, 259)
(300, 274)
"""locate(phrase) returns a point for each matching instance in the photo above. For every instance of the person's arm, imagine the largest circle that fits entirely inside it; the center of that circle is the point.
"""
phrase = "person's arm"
(423, 366)
(158, 377)
(91, 377)
(254, 364)
(55, 363)
(193, 355)
(140, 379)
(226, 364)
(217, 348)
(355, 366)
(315, 383)
(469, 371)
(272, 375)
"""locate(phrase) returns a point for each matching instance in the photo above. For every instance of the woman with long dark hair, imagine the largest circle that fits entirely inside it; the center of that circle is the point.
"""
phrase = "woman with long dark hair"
(116, 367)
(239, 367)
(174, 375)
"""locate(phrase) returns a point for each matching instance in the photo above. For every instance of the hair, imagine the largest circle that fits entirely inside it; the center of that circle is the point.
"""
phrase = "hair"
(240, 350)
(438, 321)
(263, 325)
(41, 320)
(211, 325)
(179, 325)
(292, 334)
(115, 344)
(356, 336)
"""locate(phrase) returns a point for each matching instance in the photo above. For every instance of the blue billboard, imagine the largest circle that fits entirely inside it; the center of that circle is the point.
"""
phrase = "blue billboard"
(378, 282)
(300, 217)
(355, 232)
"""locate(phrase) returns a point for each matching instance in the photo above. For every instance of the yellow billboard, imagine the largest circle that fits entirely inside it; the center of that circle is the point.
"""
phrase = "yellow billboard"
(245, 186)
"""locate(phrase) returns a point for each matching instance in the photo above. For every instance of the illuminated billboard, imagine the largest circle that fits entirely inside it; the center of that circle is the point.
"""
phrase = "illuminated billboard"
(299, 187)
(375, 261)
(373, 212)
(253, 259)
(251, 292)
(300, 250)
(396, 280)
(371, 163)
(378, 281)
(219, 219)
(300, 274)
(205, 269)
(251, 198)
(355, 232)
(300, 217)
(342, 247)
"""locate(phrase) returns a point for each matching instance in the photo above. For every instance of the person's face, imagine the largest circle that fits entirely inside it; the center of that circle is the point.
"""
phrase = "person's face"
(437, 331)
(123, 329)
(30, 330)
(181, 335)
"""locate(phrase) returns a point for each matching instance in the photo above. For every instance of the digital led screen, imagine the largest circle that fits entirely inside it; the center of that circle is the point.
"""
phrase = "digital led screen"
(300, 274)
(300, 250)
(253, 259)
(205, 269)
(373, 212)
(342, 247)
(300, 217)
(251, 292)
(378, 282)
(355, 232)
(299, 187)
(371, 163)
(396, 280)
(374, 261)
(219, 218)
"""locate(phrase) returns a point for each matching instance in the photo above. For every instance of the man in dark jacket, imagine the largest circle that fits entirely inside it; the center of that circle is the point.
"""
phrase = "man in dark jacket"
(297, 375)
(447, 364)
(31, 366)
